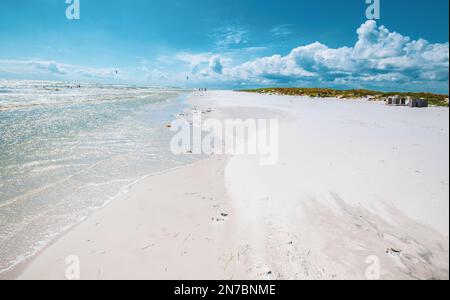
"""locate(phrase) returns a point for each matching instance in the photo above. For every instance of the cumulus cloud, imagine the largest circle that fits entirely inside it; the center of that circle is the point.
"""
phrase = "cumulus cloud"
(196, 61)
(215, 64)
(378, 56)
(50, 66)
(379, 59)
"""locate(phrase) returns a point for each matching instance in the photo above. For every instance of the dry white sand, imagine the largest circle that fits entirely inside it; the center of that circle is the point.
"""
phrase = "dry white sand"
(354, 179)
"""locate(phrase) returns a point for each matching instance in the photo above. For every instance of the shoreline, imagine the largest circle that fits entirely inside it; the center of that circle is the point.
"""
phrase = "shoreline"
(300, 219)
(165, 108)
(51, 256)
(15, 271)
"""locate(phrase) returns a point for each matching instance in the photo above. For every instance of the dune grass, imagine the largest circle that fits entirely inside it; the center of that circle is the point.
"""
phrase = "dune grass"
(433, 99)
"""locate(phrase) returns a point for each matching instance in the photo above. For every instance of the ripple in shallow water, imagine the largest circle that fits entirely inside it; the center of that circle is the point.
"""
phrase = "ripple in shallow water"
(65, 152)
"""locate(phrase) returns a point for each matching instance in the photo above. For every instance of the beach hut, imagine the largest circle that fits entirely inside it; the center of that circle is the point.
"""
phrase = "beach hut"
(397, 101)
(406, 101)
(417, 103)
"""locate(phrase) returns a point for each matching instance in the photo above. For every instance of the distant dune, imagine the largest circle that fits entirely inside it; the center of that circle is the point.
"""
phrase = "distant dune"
(433, 99)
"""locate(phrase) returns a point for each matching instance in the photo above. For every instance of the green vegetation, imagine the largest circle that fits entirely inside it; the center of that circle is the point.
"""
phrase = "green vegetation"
(433, 99)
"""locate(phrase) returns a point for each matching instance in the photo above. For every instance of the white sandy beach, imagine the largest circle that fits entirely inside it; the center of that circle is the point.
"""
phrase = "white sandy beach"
(354, 178)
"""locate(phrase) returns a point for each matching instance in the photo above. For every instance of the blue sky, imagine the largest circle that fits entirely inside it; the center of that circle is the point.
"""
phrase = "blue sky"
(229, 43)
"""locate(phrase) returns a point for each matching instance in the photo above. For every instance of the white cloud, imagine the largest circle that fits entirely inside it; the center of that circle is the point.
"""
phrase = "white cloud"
(378, 59)
(281, 30)
(195, 61)
(230, 35)
(378, 56)
(215, 64)
(153, 75)
(51, 68)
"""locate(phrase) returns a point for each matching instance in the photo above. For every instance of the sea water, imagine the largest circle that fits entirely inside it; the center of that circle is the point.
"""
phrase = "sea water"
(66, 151)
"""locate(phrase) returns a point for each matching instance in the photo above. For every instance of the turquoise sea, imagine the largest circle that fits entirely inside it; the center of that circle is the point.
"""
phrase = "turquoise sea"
(67, 150)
